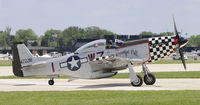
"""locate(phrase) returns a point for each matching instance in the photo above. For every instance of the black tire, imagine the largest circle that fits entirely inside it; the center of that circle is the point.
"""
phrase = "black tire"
(149, 80)
(51, 82)
(138, 82)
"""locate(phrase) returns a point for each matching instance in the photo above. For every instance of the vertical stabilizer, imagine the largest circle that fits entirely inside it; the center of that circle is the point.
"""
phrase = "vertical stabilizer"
(25, 56)
(22, 57)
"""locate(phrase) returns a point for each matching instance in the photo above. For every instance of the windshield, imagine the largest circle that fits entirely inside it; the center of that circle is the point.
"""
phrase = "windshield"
(91, 45)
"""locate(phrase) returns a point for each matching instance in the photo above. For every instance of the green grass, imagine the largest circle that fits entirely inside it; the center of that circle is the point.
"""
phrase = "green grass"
(191, 97)
(5, 63)
(171, 61)
(182, 74)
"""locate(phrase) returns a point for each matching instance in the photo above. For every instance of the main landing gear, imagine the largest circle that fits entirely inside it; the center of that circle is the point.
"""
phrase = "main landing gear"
(149, 79)
(136, 80)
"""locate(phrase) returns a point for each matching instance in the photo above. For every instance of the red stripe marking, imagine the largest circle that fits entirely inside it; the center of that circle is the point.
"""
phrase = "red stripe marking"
(149, 51)
(175, 42)
(52, 66)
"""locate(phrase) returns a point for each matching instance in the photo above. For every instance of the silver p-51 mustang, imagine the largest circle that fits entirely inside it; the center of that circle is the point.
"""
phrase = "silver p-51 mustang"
(100, 59)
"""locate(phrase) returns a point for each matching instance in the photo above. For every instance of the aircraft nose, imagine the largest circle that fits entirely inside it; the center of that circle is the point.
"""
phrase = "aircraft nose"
(182, 42)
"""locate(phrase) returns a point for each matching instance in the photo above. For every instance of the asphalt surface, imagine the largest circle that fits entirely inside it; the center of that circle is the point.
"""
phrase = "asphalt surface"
(167, 67)
(100, 84)
(6, 70)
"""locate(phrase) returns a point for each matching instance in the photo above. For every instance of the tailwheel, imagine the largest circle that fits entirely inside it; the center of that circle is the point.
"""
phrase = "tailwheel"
(138, 82)
(51, 82)
(149, 79)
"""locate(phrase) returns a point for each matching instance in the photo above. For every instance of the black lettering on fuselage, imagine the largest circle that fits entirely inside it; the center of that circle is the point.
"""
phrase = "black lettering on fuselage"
(27, 60)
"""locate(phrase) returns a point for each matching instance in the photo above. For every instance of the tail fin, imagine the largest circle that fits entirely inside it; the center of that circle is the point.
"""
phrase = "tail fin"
(21, 57)
(25, 56)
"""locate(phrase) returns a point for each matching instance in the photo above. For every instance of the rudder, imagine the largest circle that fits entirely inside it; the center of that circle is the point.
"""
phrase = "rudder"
(16, 65)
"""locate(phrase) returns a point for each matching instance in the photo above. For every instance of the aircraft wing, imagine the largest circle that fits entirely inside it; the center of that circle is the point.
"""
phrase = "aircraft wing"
(113, 63)
(134, 61)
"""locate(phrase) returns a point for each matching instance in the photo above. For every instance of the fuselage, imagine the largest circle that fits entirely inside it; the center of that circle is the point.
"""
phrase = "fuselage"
(90, 61)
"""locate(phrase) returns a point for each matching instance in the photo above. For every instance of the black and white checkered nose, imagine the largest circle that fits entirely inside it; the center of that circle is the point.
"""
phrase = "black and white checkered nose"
(160, 47)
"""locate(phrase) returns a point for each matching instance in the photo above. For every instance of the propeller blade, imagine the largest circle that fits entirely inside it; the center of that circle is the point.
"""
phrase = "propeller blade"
(175, 29)
(181, 42)
(182, 58)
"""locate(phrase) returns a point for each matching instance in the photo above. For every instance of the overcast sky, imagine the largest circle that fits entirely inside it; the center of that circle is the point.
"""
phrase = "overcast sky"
(119, 16)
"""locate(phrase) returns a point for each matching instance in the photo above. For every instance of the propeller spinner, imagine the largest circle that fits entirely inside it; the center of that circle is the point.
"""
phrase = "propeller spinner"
(181, 42)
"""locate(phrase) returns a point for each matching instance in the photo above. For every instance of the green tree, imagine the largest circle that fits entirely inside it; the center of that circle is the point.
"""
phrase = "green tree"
(194, 41)
(94, 32)
(49, 40)
(71, 34)
(148, 33)
(1, 39)
(25, 35)
(5, 36)
(154, 34)
(167, 33)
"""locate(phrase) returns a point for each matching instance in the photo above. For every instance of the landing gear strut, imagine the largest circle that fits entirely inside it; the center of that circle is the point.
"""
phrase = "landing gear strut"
(51, 81)
(149, 78)
(135, 80)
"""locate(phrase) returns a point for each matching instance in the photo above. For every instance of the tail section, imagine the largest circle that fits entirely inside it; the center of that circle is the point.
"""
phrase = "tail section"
(21, 57)
(25, 56)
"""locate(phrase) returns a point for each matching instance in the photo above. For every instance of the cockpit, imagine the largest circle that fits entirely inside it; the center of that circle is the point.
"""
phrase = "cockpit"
(113, 43)
(99, 45)
(91, 46)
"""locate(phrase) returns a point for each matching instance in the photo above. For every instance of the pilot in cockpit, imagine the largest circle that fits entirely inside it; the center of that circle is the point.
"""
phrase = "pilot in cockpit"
(96, 45)
(110, 44)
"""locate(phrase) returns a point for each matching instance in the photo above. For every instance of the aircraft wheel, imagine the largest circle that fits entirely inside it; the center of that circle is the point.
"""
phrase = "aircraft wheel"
(150, 79)
(137, 83)
(51, 82)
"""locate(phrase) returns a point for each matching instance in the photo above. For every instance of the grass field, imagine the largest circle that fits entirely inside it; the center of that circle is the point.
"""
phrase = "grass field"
(5, 62)
(101, 98)
(171, 61)
(183, 74)
(163, 61)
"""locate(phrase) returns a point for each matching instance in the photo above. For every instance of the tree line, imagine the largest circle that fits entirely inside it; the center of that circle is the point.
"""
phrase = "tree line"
(52, 37)
(69, 36)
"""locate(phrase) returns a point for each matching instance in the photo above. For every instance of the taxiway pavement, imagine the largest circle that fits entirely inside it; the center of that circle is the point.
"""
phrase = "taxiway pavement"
(100, 84)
